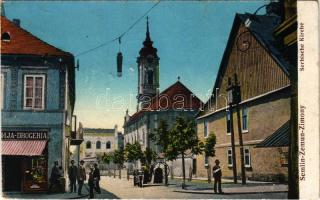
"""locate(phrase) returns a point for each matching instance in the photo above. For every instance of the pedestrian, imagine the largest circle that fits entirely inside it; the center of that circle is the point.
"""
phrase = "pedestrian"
(81, 177)
(217, 174)
(72, 174)
(91, 182)
(55, 178)
(96, 177)
(60, 171)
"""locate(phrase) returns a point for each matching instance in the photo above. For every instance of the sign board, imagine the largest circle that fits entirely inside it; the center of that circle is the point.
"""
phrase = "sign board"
(24, 135)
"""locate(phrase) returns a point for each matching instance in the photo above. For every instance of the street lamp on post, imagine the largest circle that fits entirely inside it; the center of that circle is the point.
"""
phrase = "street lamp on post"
(237, 100)
(234, 98)
(230, 101)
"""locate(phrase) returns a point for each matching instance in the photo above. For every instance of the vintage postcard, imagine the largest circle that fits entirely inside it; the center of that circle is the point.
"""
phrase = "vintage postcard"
(160, 99)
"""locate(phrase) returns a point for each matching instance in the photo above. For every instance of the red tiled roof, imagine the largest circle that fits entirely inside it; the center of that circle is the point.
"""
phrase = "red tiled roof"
(23, 42)
(175, 97)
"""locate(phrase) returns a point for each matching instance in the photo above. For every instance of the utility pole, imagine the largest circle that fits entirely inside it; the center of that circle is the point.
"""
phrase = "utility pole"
(234, 162)
(237, 94)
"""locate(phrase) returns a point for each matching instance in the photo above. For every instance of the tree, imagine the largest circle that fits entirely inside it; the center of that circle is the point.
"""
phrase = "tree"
(107, 158)
(118, 157)
(209, 145)
(133, 152)
(148, 156)
(182, 137)
(161, 134)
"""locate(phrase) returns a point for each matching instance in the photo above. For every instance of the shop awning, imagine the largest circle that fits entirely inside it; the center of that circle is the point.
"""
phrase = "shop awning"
(23, 147)
(280, 138)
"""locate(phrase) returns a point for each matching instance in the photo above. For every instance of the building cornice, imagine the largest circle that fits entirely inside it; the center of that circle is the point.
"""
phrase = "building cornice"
(245, 101)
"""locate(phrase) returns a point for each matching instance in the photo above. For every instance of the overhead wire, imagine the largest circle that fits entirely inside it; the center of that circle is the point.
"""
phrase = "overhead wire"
(120, 36)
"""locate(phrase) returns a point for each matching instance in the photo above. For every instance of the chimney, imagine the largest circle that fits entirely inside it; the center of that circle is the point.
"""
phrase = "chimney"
(16, 22)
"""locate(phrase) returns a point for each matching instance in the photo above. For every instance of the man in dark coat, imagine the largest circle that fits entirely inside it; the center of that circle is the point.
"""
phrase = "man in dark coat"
(55, 178)
(96, 177)
(81, 176)
(217, 176)
(91, 182)
(72, 173)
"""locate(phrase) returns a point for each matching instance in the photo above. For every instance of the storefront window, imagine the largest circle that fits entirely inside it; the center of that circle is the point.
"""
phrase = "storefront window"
(36, 170)
(35, 176)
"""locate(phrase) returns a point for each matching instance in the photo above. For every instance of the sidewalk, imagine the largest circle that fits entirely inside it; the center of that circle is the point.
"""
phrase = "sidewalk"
(224, 180)
(239, 190)
(228, 187)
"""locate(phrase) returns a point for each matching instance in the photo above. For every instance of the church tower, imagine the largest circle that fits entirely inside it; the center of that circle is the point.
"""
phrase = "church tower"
(148, 71)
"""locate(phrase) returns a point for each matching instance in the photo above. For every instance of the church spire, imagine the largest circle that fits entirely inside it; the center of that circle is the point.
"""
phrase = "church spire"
(147, 48)
(147, 42)
(148, 33)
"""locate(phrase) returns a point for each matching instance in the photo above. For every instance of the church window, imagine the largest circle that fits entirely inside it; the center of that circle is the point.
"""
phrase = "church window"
(150, 77)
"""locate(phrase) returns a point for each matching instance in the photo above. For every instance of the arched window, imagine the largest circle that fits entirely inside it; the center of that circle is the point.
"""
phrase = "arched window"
(88, 145)
(5, 37)
(108, 145)
(98, 145)
(150, 77)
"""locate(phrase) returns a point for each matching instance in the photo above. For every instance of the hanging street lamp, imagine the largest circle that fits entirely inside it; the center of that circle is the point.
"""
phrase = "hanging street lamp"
(119, 60)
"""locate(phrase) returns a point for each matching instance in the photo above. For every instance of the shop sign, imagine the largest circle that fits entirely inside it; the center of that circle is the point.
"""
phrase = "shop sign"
(24, 135)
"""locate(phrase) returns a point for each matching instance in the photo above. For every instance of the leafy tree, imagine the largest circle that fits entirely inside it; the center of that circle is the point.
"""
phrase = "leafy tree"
(107, 157)
(148, 156)
(209, 145)
(133, 152)
(118, 157)
(161, 135)
(182, 137)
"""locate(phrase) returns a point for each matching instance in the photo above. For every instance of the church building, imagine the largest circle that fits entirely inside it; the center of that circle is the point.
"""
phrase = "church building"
(153, 105)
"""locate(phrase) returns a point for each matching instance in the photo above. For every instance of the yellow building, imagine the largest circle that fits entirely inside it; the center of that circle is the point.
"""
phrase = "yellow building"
(256, 56)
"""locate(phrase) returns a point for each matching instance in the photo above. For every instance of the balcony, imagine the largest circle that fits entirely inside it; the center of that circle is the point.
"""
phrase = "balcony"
(76, 138)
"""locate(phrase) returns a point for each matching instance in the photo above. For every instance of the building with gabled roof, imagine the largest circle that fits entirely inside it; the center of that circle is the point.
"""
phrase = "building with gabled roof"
(21, 41)
(259, 60)
(37, 104)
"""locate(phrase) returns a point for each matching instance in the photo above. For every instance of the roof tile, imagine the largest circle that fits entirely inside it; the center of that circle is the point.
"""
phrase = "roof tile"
(175, 97)
(23, 42)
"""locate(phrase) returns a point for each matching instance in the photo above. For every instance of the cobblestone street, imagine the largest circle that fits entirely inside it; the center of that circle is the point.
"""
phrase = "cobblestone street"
(125, 189)
(113, 188)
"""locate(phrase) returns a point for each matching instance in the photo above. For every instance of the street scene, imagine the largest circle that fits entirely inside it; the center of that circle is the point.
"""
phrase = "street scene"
(149, 99)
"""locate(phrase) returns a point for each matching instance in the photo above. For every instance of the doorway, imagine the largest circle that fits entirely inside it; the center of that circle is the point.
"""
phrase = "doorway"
(12, 173)
(194, 166)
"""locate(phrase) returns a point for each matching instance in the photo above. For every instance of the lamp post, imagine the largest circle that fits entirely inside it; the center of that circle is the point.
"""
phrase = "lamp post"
(230, 101)
(237, 100)
(234, 98)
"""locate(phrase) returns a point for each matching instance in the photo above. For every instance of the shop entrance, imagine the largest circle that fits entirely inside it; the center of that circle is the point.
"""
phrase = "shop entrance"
(12, 173)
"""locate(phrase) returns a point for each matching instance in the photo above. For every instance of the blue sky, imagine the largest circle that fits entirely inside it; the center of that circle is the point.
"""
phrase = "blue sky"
(190, 37)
